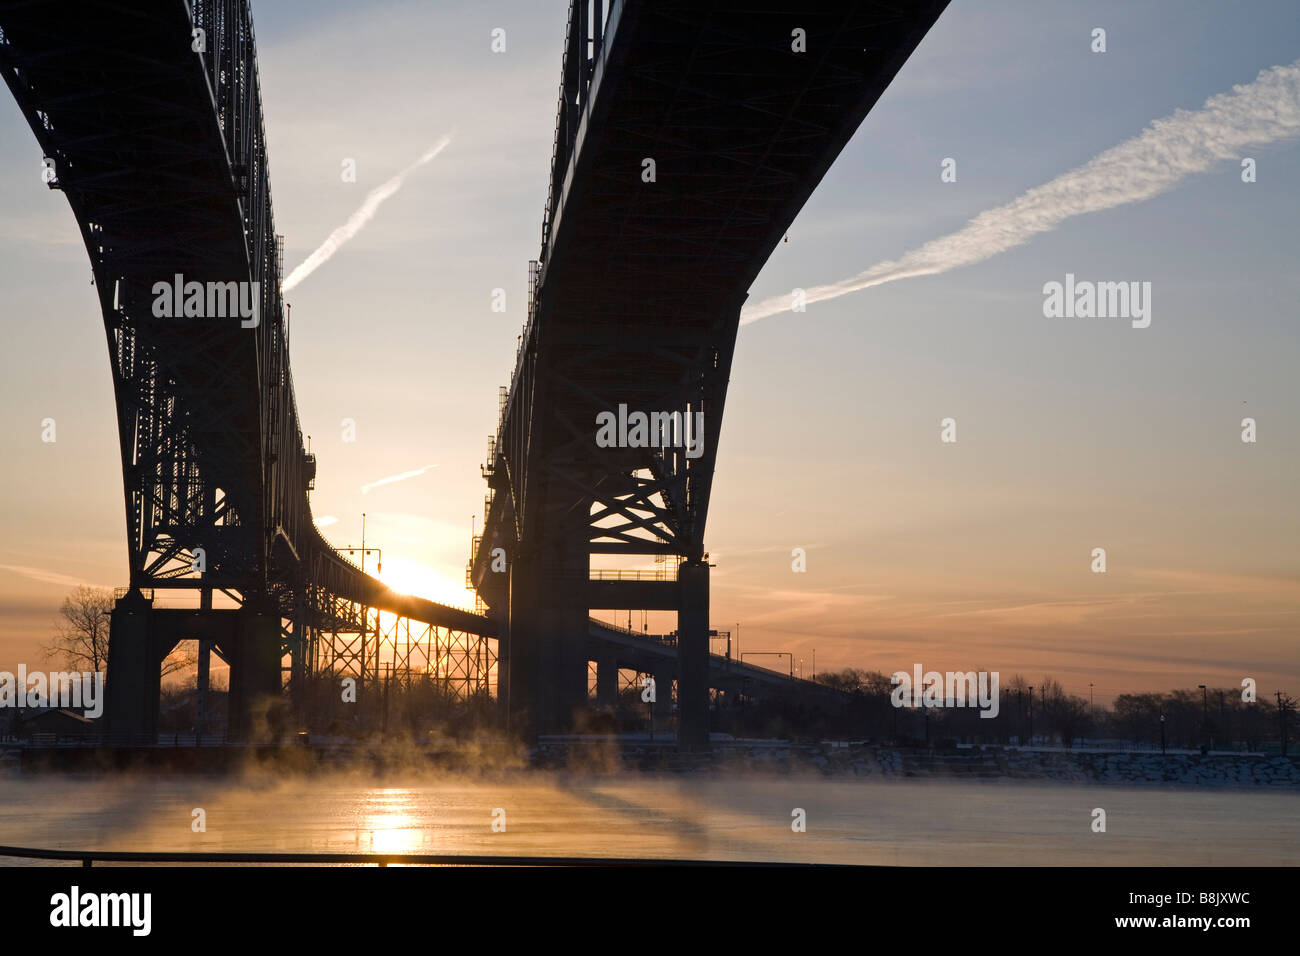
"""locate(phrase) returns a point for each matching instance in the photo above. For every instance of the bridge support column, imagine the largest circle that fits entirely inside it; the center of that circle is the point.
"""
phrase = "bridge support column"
(255, 694)
(134, 674)
(693, 656)
(607, 680)
(548, 632)
(202, 679)
(501, 614)
(520, 646)
(564, 624)
(663, 709)
(201, 684)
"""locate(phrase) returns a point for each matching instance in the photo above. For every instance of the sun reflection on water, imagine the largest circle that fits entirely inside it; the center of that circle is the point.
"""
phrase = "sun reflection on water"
(391, 823)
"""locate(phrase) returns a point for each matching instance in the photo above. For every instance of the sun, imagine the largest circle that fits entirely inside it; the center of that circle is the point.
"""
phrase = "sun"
(421, 580)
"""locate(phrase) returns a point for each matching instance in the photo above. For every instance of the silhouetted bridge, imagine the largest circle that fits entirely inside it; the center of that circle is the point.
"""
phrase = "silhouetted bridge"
(688, 136)
(149, 115)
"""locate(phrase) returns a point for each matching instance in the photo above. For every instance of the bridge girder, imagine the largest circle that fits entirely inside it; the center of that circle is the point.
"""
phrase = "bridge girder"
(689, 134)
(157, 141)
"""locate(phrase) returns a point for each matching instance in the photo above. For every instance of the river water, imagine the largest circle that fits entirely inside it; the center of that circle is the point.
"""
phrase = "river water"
(745, 817)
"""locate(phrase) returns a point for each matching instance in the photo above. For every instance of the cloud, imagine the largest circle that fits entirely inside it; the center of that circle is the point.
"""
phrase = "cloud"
(324, 521)
(357, 221)
(391, 479)
(49, 577)
(1188, 142)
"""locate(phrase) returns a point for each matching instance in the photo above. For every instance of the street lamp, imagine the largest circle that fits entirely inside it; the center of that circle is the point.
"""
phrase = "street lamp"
(770, 654)
(379, 568)
(1205, 711)
(1031, 715)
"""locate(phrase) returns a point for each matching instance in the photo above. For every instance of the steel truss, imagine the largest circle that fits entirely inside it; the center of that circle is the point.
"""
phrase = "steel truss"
(377, 645)
(157, 140)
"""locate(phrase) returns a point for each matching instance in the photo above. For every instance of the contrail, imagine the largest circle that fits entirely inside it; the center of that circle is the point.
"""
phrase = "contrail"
(48, 577)
(1189, 141)
(357, 221)
(365, 489)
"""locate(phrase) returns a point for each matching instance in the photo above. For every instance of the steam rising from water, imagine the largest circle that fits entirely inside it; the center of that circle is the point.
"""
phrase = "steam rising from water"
(415, 809)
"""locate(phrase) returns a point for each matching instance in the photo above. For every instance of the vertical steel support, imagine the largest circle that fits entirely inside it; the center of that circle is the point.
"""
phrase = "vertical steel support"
(607, 679)
(693, 657)
(663, 709)
(522, 662)
(202, 682)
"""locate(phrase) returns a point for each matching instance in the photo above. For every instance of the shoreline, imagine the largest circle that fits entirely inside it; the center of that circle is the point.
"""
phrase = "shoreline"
(603, 755)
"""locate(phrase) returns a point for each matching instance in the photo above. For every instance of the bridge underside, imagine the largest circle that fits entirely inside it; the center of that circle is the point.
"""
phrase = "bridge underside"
(688, 137)
(149, 116)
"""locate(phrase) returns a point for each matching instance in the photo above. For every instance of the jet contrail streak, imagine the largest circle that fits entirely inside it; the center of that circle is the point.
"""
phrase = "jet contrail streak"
(48, 577)
(357, 221)
(365, 489)
(1188, 142)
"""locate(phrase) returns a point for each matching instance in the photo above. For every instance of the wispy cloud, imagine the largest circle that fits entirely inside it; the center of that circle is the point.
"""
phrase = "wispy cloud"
(49, 577)
(1188, 142)
(357, 221)
(391, 479)
(324, 521)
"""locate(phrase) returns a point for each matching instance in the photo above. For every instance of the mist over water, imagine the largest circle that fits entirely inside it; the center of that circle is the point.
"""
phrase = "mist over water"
(744, 817)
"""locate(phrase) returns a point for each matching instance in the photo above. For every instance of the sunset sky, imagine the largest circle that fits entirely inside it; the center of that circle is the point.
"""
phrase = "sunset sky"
(1073, 434)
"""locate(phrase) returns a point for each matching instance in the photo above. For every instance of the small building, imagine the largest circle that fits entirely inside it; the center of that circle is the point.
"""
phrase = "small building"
(49, 724)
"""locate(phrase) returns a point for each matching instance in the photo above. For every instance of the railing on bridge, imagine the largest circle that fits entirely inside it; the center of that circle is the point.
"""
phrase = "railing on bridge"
(584, 42)
(500, 443)
(659, 574)
(667, 640)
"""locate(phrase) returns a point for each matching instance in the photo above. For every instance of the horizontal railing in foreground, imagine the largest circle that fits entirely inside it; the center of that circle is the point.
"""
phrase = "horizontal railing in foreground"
(86, 857)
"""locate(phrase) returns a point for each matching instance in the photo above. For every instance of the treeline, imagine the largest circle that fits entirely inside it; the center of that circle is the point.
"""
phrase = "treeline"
(1049, 715)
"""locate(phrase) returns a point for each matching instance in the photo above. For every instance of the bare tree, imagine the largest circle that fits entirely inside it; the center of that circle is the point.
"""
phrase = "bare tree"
(81, 635)
(178, 660)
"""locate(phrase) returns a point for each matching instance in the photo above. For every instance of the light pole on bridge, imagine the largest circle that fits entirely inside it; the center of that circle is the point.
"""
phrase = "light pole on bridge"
(363, 550)
(365, 611)
(771, 654)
